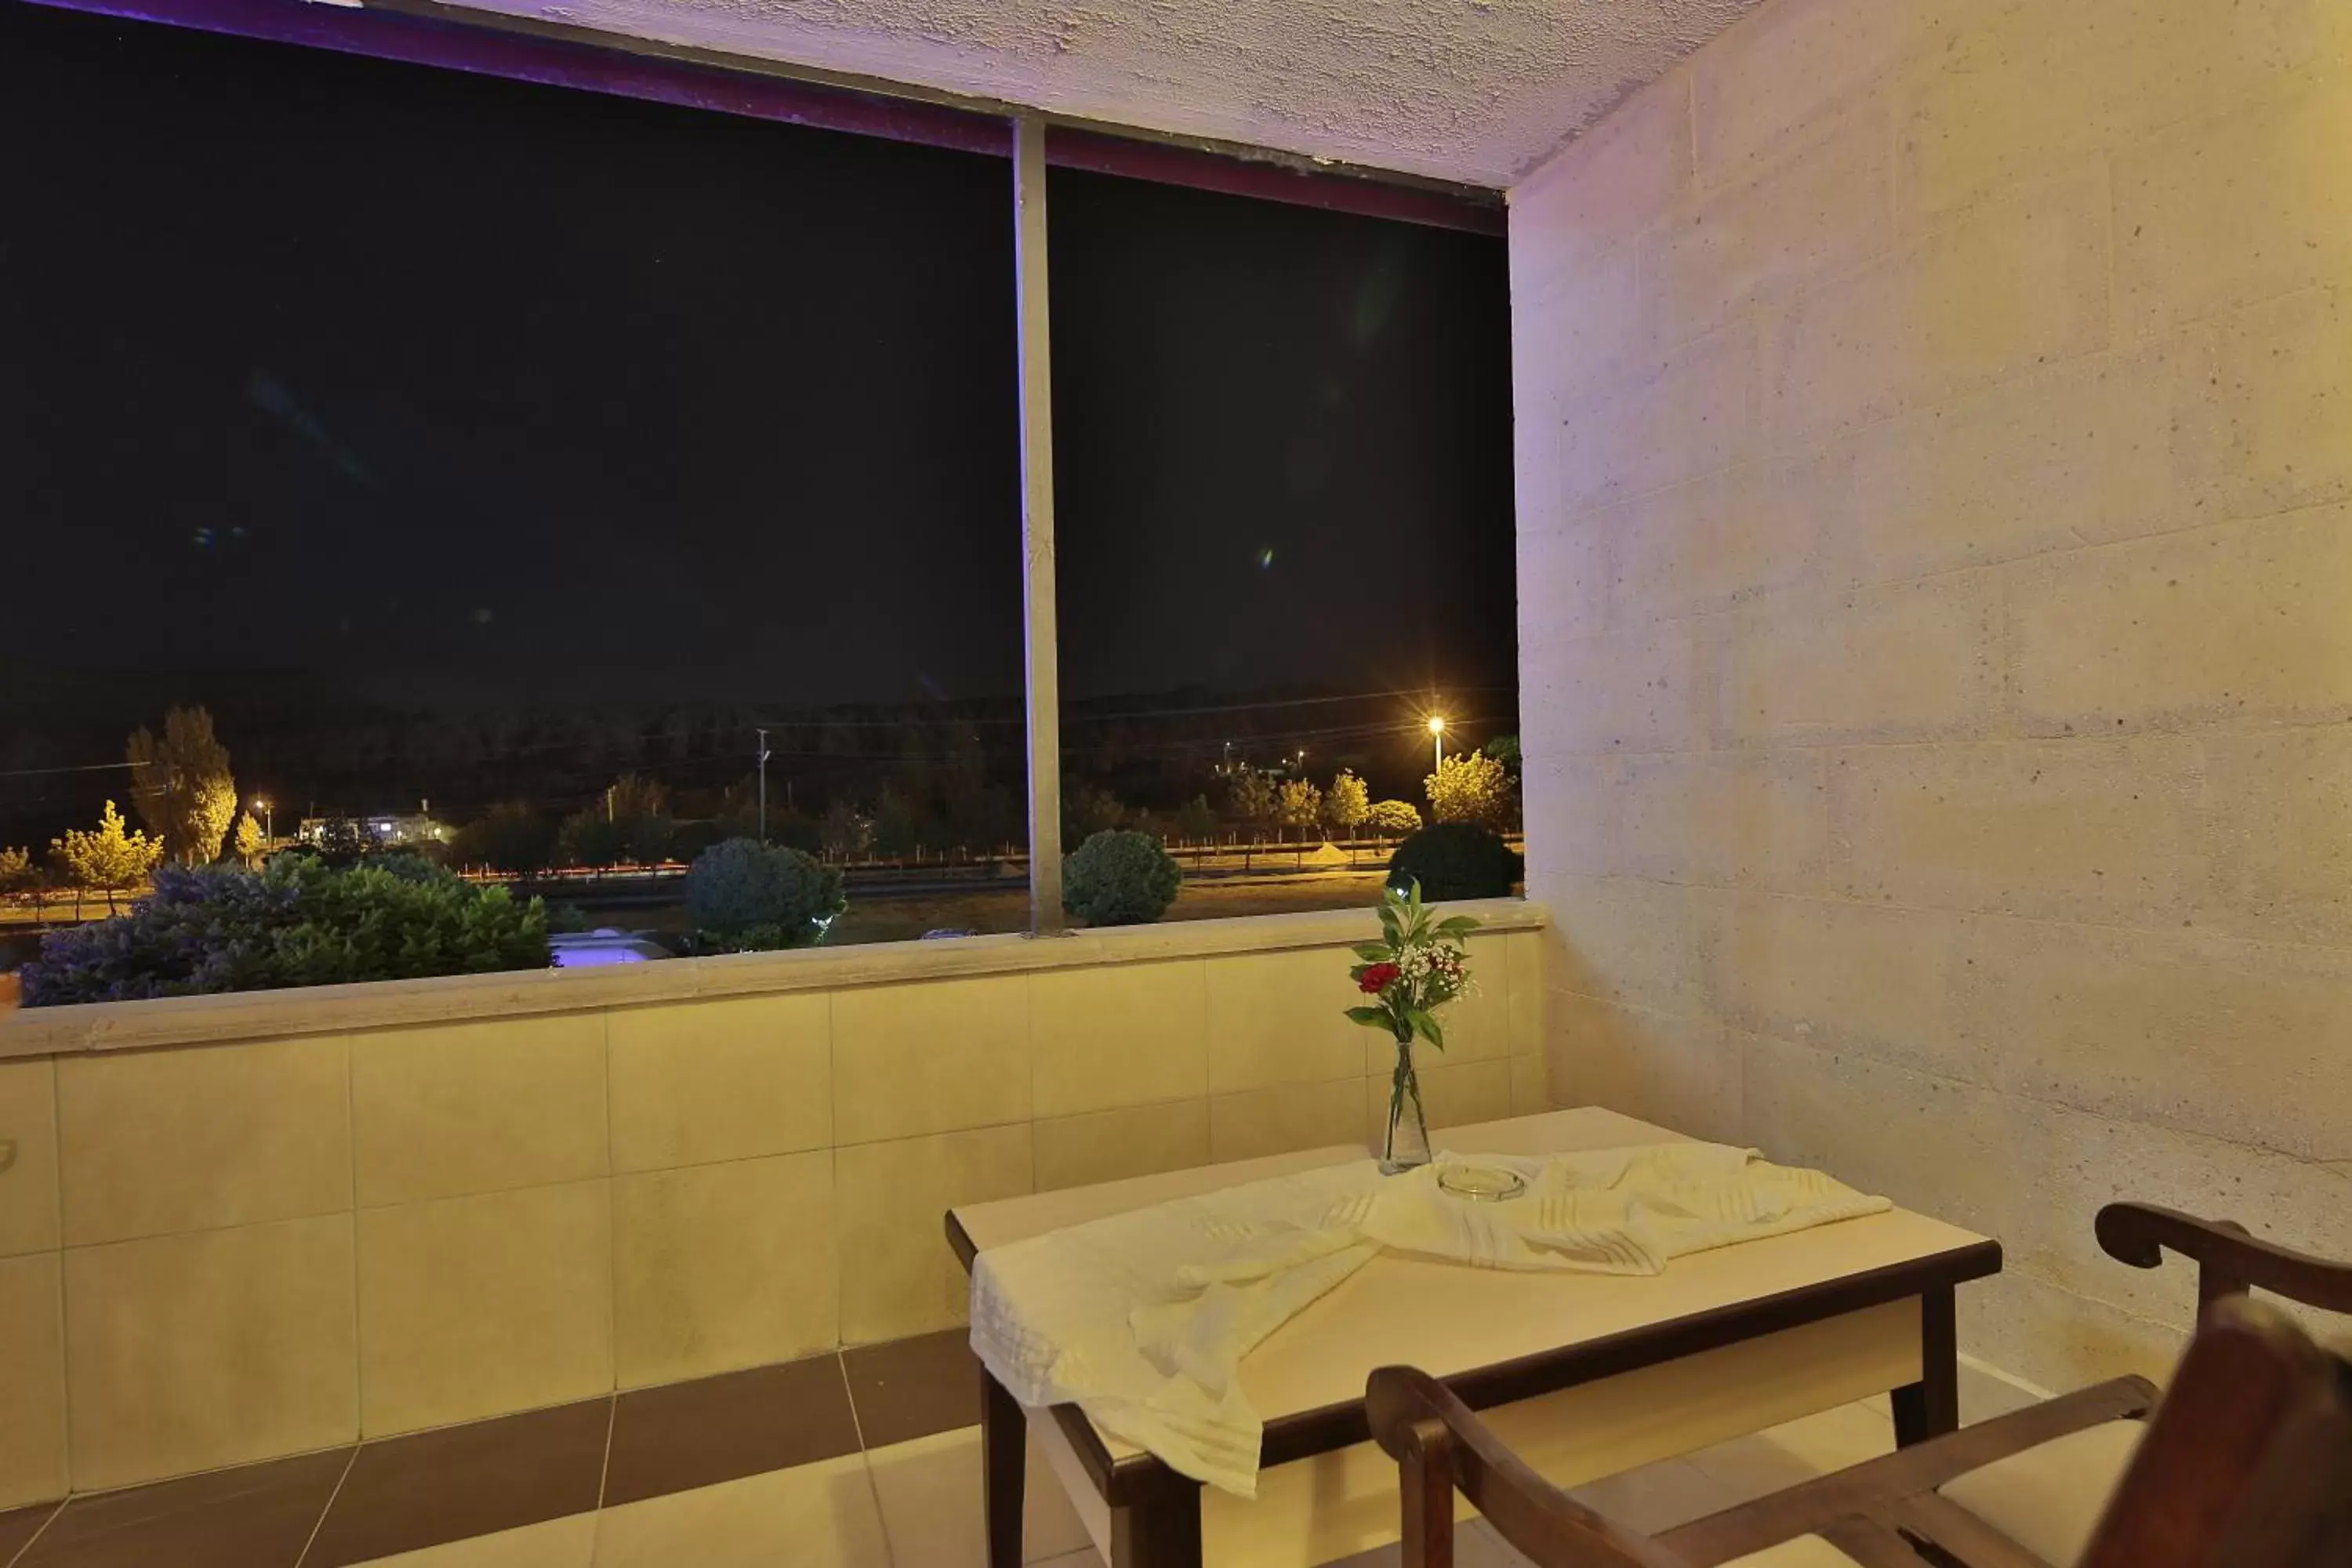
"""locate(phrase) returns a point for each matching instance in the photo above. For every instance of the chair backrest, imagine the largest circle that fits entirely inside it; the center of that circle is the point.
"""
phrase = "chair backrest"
(2247, 1462)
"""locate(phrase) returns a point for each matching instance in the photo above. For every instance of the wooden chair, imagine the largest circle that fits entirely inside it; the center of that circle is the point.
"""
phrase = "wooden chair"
(2246, 1462)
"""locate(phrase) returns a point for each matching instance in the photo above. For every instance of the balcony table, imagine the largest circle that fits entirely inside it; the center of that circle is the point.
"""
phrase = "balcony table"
(1582, 1375)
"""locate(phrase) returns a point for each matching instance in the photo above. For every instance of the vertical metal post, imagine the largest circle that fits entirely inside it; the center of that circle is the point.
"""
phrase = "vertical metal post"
(763, 784)
(1045, 683)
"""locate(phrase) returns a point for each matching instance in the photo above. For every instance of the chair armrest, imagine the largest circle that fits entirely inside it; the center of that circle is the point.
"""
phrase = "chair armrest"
(2229, 1258)
(1440, 1444)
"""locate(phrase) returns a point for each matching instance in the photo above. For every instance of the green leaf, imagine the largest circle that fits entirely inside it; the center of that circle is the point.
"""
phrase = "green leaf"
(1389, 924)
(1457, 925)
(1370, 1018)
(1374, 953)
(1426, 1027)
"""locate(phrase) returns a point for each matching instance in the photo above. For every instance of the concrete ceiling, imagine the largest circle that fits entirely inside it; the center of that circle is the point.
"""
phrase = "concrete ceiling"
(1474, 90)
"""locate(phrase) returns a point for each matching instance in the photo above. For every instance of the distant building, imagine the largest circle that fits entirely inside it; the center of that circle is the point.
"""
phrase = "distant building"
(390, 829)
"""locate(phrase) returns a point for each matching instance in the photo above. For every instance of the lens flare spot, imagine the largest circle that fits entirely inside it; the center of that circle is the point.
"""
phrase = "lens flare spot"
(1265, 559)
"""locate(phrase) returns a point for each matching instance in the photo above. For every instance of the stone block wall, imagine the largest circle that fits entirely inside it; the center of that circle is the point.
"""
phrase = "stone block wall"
(1935, 465)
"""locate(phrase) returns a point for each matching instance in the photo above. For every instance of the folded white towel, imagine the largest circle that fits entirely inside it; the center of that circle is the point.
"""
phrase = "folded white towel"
(1142, 1319)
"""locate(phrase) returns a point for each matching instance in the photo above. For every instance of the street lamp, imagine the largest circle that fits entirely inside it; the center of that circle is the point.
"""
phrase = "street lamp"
(1437, 743)
(269, 828)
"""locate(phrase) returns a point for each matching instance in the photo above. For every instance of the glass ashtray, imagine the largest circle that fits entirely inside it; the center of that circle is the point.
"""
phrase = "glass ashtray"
(1481, 1183)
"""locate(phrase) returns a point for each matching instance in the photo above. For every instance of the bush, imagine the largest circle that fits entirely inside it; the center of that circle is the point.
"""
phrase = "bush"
(1393, 819)
(299, 921)
(1456, 861)
(1119, 878)
(746, 896)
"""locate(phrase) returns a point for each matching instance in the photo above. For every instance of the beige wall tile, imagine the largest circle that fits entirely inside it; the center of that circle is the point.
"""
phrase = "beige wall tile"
(1110, 1145)
(476, 1306)
(192, 1352)
(1122, 1034)
(899, 1275)
(2025, 88)
(2019, 282)
(1276, 1121)
(1947, 1149)
(1888, 983)
(29, 1187)
(2030, 1329)
(705, 1081)
(1626, 939)
(1586, 321)
(1646, 690)
(1694, 410)
(2240, 622)
(929, 1057)
(723, 1266)
(2282, 848)
(2093, 830)
(2068, 452)
(2262, 406)
(2237, 1040)
(1712, 543)
(1567, 574)
(475, 1108)
(1530, 1086)
(2223, 212)
(158, 1142)
(1725, 818)
(1477, 1027)
(1824, 208)
(1281, 1017)
(1452, 1094)
(32, 1380)
(1789, 66)
(1525, 966)
(2082, 1161)
(1680, 1073)
(1910, 661)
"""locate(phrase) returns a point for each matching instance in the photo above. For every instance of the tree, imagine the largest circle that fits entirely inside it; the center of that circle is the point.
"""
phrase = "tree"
(638, 810)
(1393, 819)
(898, 829)
(1088, 809)
(181, 786)
(106, 858)
(246, 841)
(1196, 819)
(588, 838)
(1298, 804)
(1252, 795)
(846, 834)
(19, 875)
(1347, 803)
(512, 838)
(1505, 749)
(1471, 787)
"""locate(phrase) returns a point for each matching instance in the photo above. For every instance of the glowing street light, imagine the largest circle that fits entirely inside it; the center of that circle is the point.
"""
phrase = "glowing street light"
(269, 828)
(1436, 742)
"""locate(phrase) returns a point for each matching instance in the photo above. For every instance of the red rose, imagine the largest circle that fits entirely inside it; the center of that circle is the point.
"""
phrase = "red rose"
(1377, 977)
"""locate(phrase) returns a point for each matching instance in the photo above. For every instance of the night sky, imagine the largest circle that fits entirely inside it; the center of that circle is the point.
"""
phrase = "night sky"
(459, 394)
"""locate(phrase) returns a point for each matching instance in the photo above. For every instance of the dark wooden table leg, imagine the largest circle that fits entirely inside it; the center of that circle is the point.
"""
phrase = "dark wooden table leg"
(1931, 1406)
(1004, 1455)
(1162, 1533)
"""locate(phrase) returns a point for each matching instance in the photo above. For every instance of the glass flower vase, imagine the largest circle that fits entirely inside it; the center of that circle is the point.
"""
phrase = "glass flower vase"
(1406, 1144)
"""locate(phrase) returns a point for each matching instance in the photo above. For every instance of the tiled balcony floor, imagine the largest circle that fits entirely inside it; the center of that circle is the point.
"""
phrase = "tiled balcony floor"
(867, 1459)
